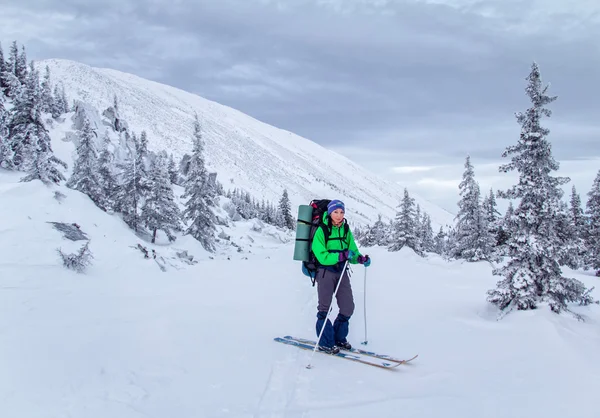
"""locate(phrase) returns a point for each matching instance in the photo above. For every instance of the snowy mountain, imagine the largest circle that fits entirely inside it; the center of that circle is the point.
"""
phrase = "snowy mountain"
(245, 152)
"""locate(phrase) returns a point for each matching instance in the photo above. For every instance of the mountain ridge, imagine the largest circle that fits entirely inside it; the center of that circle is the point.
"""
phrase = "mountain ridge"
(245, 152)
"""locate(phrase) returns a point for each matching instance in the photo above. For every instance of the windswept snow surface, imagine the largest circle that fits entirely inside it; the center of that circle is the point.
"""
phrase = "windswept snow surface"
(245, 153)
(128, 340)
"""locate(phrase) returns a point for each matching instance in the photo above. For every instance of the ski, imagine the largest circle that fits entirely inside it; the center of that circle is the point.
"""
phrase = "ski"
(371, 361)
(356, 351)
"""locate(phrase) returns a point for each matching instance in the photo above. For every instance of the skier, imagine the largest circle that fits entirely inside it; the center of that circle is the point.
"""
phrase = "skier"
(332, 257)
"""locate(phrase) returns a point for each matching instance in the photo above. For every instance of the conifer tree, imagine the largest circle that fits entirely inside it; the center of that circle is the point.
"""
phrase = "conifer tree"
(533, 275)
(85, 172)
(13, 58)
(271, 214)
(106, 177)
(173, 173)
(506, 226)
(406, 227)
(4, 150)
(419, 226)
(381, 232)
(492, 215)
(21, 66)
(592, 238)
(135, 184)
(57, 107)
(367, 238)
(439, 242)
(572, 245)
(286, 211)
(577, 215)
(28, 140)
(578, 222)
(3, 80)
(61, 105)
(160, 211)
(471, 240)
(47, 99)
(199, 195)
(427, 233)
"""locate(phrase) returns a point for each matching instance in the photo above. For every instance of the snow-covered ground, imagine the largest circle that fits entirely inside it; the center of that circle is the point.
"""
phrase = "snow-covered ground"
(129, 340)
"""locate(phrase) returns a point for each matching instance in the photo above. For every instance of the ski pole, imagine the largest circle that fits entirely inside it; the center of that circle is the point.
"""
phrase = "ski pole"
(309, 366)
(365, 307)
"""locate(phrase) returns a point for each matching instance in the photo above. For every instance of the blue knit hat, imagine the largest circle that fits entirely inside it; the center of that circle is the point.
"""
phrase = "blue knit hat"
(335, 204)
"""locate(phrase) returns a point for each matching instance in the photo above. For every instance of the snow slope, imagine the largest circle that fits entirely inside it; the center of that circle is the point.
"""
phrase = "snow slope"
(128, 340)
(245, 152)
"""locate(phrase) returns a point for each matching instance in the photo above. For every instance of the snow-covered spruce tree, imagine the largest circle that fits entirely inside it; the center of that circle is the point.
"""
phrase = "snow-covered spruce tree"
(160, 211)
(57, 108)
(577, 214)
(270, 214)
(533, 275)
(427, 233)
(380, 232)
(28, 137)
(367, 239)
(61, 105)
(85, 172)
(439, 242)
(285, 209)
(134, 185)
(21, 66)
(106, 177)
(471, 240)
(13, 57)
(492, 215)
(505, 227)
(376, 234)
(419, 226)
(198, 210)
(9, 78)
(47, 99)
(4, 150)
(592, 237)
(405, 227)
(173, 173)
(573, 245)
(578, 225)
(3, 80)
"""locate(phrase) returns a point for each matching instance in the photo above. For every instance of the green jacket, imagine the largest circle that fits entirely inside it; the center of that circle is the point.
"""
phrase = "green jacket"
(328, 255)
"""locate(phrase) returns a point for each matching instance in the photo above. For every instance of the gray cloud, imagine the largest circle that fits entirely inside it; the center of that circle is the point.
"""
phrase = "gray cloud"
(406, 82)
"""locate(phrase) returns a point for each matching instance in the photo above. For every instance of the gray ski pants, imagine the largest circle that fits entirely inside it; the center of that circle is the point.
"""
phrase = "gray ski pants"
(326, 283)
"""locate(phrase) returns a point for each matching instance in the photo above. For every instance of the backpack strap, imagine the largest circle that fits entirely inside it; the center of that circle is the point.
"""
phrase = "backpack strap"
(327, 230)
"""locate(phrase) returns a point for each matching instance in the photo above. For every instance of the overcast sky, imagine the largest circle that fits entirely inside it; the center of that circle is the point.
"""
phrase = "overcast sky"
(406, 88)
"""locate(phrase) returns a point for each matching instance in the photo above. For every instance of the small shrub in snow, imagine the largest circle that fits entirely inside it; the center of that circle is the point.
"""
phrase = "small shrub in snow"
(59, 196)
(78, 261)
(186, 258)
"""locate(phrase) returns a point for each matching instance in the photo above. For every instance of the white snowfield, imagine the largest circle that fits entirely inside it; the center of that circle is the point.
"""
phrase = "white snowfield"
(128, 340)
(245, 153)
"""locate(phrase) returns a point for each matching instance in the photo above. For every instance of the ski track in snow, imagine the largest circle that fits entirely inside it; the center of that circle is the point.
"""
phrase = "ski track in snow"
(286, 382)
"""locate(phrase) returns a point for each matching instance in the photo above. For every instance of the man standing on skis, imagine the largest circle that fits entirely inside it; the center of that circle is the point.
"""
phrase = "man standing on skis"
(332, 254)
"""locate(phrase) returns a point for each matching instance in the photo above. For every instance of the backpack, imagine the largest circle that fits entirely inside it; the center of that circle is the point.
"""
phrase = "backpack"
(310, 267)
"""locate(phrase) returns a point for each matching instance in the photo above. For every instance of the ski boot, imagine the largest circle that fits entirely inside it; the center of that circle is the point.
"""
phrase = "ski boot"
(329, 350)
(344, 345)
